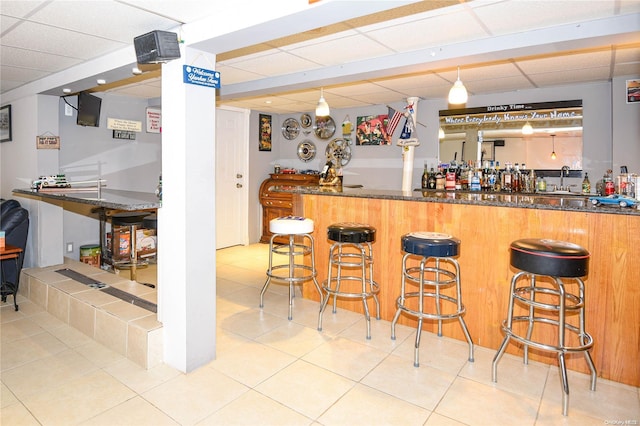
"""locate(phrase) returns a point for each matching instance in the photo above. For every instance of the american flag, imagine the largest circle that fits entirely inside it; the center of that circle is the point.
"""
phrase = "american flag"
(394, 119)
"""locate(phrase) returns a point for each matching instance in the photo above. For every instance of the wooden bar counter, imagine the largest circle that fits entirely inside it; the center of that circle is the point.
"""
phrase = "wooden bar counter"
(486, 224)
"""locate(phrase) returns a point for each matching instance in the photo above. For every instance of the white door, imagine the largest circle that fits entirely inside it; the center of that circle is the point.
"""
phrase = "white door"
(232, 180)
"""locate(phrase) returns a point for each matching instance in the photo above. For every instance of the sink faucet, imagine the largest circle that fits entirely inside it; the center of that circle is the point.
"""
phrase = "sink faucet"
(562, 175)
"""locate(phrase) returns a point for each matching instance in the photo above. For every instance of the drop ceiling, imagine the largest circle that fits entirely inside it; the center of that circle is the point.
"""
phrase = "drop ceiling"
(412, 49)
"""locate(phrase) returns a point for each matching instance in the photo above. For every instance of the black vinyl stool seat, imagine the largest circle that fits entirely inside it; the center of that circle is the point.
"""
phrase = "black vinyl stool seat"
(555, 260)
(351, 259)
(432, 250)
(296, 273)
(132, 220)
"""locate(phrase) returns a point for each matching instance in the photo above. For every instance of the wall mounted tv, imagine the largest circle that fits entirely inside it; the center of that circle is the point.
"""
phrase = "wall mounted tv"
(88, 110)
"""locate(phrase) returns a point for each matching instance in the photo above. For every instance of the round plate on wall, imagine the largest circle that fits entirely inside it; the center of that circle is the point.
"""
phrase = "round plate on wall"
(305, 120)
(306, 150)
(290, 128)
(325, 127)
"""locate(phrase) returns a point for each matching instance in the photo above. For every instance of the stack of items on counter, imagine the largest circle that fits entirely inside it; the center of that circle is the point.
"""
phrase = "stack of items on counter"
(489, 177)
(625, 184)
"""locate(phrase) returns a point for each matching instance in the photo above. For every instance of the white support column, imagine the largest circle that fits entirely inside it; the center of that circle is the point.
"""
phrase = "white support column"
(186, 255)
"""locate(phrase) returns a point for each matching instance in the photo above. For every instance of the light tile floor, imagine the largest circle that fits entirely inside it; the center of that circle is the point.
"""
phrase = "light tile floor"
(271, 371)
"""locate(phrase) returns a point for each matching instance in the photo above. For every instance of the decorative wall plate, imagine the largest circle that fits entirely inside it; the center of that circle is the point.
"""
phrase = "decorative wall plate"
(340, 151)
(306, 150)
(290, 128)
(305, 120)
(325, 127)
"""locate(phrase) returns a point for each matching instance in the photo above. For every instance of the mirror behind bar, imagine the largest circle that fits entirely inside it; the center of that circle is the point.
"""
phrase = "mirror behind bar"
(503, 124)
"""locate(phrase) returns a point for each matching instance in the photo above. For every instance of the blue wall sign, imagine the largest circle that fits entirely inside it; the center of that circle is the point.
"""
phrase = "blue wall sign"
(200, 76)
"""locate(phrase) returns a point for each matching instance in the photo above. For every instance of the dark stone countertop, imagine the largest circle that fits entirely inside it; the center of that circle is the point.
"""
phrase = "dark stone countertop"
(109, 198)
(565, 202)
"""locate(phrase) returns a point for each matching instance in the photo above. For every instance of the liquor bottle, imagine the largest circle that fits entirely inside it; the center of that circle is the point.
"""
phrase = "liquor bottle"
(425, 178)
(432, 180)
(586, 185)
(609, 186)
(440, 179)
(450, 178)
(516, 179)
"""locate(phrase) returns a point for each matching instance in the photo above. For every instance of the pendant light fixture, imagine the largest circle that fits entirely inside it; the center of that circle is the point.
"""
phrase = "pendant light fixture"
(322, 110)
(458, 93)
(527, 129)
(440, 133)
(553, 149)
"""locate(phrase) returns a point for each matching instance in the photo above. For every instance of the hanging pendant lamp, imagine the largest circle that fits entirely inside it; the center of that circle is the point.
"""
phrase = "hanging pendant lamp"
(553, 149)
(527, 129)
(322, 109)
(458, 93)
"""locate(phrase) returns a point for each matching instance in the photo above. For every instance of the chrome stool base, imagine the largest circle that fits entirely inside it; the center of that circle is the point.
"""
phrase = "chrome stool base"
(548, 257)
(291, 272)
(351, 257)
(441, 278)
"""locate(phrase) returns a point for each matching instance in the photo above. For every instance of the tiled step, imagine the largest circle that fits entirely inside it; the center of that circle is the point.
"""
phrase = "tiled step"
(125, 328)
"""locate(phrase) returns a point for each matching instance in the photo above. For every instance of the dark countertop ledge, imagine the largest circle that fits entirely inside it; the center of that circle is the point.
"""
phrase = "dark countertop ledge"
(575, 203)
(109, 198)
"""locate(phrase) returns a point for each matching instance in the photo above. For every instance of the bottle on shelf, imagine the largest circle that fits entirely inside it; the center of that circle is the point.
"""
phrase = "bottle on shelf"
(609, 186)
(325, 170)
(431, 183)
(425, 178)
(440, 179)
(586, 185)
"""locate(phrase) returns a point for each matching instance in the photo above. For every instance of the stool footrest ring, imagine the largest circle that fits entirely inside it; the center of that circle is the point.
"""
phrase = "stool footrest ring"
(326, 286)
(450, 276)
(577, 302)
(544, 346)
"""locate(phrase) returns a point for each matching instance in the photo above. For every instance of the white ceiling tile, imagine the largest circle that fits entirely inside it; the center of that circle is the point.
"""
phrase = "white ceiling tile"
(21, 74)
(29, 59)
(504, 84)
(277, 63)
(626, 69)
(19, 8)
(571, 75)
(428, 32)
(342, 50)
(568, 62)
(57, 41)
(231, 75)
(628, 55)
(111, 20)
(515, 16)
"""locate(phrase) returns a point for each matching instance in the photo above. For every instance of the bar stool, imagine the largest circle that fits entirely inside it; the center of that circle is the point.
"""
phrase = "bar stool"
(352, 256)
(537, 258)
(133, 221)
(297, 273)
(430, 248)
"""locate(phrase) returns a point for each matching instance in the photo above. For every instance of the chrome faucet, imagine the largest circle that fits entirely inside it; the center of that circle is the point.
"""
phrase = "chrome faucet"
(562, 171)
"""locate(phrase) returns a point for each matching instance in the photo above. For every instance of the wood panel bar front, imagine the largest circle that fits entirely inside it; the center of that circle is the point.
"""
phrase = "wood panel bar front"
(612, 285)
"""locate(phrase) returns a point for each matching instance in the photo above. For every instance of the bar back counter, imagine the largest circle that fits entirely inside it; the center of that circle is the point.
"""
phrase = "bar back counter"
(487, 223)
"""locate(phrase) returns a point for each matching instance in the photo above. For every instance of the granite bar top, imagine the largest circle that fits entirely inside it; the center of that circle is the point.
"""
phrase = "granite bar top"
(109, 198)
(576, 203)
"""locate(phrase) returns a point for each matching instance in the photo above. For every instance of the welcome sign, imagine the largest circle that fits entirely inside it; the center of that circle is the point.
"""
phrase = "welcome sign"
(200, 76)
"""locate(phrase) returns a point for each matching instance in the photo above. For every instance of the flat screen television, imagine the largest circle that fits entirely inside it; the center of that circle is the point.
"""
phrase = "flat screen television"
(88, 110)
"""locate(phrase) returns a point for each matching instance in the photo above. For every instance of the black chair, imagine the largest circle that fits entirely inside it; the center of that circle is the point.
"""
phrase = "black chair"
(15, 223)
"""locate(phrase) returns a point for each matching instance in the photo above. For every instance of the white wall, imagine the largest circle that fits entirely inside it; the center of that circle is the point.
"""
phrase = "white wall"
(88, 153)
(380, 167)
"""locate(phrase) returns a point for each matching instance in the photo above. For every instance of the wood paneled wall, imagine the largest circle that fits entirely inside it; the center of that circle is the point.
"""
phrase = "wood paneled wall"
(612, 285)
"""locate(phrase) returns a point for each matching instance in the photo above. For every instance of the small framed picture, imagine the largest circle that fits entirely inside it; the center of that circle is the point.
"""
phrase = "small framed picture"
(265, 132)
(5, 123)
(633, 91)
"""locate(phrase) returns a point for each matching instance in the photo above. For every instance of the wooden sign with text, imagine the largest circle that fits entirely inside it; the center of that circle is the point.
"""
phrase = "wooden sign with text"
(48, 142)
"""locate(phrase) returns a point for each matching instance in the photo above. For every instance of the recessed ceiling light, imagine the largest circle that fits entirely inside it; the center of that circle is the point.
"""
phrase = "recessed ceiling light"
(267, 102)
(66, 90)
(101, 81)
